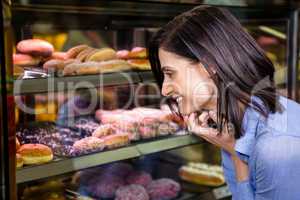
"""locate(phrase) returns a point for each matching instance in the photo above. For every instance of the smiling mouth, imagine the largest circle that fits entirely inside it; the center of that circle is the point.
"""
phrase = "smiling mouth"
(178, 99)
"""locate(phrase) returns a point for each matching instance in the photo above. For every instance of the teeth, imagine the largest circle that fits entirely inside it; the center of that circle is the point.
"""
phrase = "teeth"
(178, 99)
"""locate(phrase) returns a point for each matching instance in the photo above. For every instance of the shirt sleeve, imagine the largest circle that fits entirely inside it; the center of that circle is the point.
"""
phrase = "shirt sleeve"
(244, 148)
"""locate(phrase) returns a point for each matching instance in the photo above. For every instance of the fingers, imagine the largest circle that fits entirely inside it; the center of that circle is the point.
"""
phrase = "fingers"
(213, 115)
(203, 118)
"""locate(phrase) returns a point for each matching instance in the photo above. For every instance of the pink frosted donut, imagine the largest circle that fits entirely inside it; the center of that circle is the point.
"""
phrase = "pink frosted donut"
(163, 189)
(139, 178)
(132, 192)
(105, 186)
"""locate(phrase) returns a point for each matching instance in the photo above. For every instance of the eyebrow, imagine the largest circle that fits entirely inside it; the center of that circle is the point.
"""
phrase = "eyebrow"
(166, 68)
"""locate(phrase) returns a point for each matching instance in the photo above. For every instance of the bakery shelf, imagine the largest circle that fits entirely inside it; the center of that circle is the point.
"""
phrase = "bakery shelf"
(55, 84)
(62, 166)
(68, 165)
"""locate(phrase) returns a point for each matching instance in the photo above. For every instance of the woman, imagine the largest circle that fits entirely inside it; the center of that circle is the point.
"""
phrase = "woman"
(206, 63)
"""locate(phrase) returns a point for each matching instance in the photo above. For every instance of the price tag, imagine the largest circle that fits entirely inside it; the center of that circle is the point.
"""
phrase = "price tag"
(221, 192)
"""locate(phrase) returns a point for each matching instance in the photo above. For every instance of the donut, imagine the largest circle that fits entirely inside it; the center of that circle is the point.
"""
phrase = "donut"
(19, 161)
(139, 177)
(88, 144)
(102, 55)
(163, 189)
(116, 140)
(74, 51)
(35, 153)
(105, 186)
(35, 47)
(132, 192)
(24, 60)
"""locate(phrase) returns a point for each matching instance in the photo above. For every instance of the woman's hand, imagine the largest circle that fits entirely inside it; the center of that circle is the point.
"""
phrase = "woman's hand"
(199, 126)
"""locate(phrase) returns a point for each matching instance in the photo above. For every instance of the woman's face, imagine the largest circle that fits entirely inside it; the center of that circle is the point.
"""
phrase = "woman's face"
(188, 83)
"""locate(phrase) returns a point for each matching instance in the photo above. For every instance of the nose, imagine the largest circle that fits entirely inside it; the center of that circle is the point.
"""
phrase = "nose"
(166, 89)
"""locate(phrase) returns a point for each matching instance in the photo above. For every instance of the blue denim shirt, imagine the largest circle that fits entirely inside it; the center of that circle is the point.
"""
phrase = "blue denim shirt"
(271, 147)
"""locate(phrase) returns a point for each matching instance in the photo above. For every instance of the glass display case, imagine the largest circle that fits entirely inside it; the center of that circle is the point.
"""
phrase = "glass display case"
(81, 114)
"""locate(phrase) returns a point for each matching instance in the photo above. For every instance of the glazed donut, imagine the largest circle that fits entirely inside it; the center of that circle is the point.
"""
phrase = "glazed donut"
(35, 153)
(19, 160)
(35, 47)
(74, 51)
(24, 60)
(114, 66)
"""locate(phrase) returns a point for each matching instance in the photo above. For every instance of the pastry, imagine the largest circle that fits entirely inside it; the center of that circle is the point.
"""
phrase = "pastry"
(59, 55)
(140, 64)
(35, 47)
(132, 192)
(137, 52)
(74, 51)
(122, 54)
(163, 189)
(88, 145)
(203, 174)
(101, 67)
(19, 161)
(103, 130)
(139, 177)
(102, 55)
(84, 54)
(57, 64)
(24, 60)
(35, 153)
(116, 140)
(105, 186)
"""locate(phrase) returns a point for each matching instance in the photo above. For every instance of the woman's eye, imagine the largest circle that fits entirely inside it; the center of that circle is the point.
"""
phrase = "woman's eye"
(168, 74)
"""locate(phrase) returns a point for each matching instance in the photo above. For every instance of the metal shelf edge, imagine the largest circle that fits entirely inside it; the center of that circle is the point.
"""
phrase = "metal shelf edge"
(55, 84)
(73, 164)
(91, 160)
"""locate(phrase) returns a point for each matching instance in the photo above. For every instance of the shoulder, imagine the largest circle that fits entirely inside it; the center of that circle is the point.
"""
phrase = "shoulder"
(286, 122)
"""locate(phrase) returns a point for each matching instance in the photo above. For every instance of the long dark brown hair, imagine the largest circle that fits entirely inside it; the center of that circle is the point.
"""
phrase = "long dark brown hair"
(237, 65)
